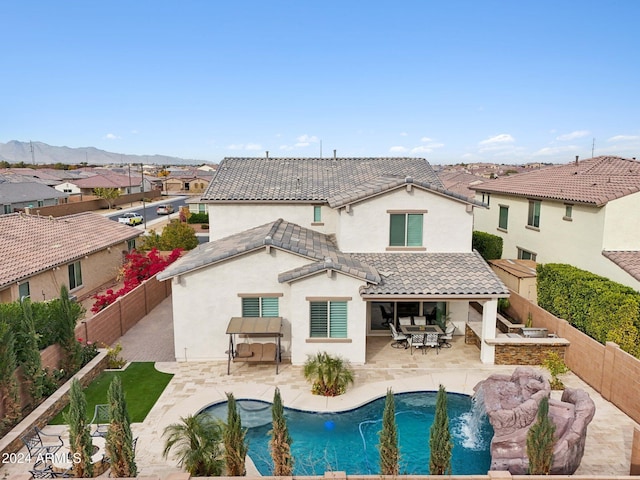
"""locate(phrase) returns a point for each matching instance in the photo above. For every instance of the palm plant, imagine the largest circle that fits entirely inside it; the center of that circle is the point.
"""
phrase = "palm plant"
(235, 447)
(196, 444)
(280, 440)
(80, 444)
(440, 442)
(328, 375)
(389, 453)
(119, 437)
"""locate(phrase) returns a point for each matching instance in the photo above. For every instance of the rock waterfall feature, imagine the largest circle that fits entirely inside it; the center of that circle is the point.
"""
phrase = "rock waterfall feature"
(511, 402)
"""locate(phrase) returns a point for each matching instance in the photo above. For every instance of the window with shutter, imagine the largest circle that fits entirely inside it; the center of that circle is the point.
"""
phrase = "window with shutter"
(328, 320)
(405, 230)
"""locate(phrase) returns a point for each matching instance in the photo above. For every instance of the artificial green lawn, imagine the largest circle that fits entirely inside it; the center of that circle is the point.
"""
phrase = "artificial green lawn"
(142, 385)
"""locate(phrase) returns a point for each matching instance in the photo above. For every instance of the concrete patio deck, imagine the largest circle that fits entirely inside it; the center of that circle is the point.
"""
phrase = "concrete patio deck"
(198, 384)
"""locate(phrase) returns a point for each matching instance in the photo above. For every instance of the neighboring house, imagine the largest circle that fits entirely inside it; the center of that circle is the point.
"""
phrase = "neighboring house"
(85, 186)
(196, 205)
(460, 182)
(584, 213)
(187, 181)
(16, 197)
(83, 251)
(329, 245)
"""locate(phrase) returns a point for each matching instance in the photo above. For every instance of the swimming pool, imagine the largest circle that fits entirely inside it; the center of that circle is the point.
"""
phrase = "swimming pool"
(348, 441)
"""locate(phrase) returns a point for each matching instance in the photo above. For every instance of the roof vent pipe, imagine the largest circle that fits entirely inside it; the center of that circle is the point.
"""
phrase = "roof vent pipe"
(577, 156)
(334, 154)
(267, 153)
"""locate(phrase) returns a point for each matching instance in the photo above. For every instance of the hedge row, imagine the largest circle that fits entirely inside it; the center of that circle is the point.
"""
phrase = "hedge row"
(487, 245)
(605, 310)
(198, 218)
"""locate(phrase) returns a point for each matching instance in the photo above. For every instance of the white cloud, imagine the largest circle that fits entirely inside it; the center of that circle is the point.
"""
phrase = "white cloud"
(111, 136)
(421, 149)
(242, 146)
(426, 139)
(404, 134)
(134, 132)
(302, 144)
(307, 139)
(398, 149)
(573, 135)
(498, 140)
(550, 151)
(623, 138)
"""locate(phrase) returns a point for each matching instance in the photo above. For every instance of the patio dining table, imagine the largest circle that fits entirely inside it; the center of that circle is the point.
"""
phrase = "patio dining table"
(420, 329)
(418, 332)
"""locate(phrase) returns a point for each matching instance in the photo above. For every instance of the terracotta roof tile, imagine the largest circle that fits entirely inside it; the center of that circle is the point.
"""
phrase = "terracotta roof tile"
(385, 273)
(32, 244)
(432, 274)
(311, 179)
(629, 261)
(594, 181)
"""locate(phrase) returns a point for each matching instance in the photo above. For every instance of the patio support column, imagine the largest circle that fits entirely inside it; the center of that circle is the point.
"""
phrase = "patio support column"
(489, 311)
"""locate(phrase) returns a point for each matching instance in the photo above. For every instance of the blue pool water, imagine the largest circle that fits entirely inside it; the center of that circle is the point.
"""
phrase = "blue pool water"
(348, 441)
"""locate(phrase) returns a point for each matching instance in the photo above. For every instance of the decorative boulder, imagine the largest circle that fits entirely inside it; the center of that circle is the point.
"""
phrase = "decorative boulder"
(511, 402)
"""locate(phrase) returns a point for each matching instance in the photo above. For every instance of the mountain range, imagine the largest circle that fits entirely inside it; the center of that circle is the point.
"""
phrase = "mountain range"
(40, 153)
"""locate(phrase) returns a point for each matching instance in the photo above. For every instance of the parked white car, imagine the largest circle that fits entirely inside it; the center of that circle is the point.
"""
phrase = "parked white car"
(131, 219)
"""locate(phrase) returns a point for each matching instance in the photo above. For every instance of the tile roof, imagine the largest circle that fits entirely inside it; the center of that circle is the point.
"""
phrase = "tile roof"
(107, 180)
(385, 273)
(311, 179)
(594, 181)
(26, 192)
(464, 274)
(460, 182)
(280, 234)
(33, 244)
(629, 261)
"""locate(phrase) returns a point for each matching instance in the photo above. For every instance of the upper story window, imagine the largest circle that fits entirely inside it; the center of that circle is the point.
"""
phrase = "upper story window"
(486, 198)
(24, 290)
(533, 219)
(568, 212)
(503, 219)
(328, 319)
(405, 230)
(8, 209)
(317, 214)
(75, 275)
(260, 307)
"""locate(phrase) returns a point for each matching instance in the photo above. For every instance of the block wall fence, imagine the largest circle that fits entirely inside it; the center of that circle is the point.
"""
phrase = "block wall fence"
(611, 371)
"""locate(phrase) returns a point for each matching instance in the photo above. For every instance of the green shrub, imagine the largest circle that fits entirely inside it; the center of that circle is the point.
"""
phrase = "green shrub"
(487, 245)
(198, 218)
(605, 310)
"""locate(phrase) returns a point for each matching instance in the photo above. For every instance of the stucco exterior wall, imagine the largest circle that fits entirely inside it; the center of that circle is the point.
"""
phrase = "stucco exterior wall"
(340, 287)
(228, 219)
(622, 224)
(365, 228)
(578, 242)
(67, 187)
(97, 270)
(199, 326)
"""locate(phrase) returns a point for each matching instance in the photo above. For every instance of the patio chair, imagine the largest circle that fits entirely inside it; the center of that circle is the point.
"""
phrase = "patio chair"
(386, 316)
(100, 420)
(404, 321)
(448, 335)
(431, 340)
(399, 339)
(416, 341)
(419, 320)
(40, 443)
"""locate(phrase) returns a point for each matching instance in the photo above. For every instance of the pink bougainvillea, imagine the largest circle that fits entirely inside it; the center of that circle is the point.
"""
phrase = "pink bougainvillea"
(138, 267)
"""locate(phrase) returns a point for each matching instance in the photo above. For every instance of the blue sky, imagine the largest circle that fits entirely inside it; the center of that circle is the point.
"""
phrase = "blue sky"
(450, 81)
